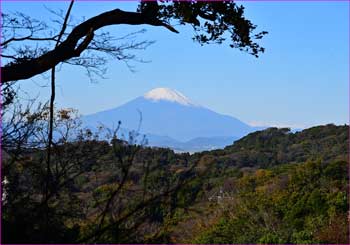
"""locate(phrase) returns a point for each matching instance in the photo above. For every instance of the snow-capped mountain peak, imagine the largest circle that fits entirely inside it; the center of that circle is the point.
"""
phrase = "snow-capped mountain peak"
(170, 119)
(167, 94)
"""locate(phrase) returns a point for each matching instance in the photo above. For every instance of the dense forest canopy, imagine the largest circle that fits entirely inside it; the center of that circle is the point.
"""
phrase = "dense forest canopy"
(271, 186)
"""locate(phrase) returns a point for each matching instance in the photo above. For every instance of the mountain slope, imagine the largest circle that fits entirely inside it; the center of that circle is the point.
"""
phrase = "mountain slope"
(193, 145)
(168, 113)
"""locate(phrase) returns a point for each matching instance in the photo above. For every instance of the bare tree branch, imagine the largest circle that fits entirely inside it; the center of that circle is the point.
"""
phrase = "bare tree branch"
(71, 48)
(54, 38)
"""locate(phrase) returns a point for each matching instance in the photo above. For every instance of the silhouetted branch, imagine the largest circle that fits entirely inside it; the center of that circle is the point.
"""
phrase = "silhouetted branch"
(70, 48)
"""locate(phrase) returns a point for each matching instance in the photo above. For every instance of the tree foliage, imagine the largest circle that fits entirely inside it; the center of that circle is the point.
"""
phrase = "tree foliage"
(306, 208)
(114, 192)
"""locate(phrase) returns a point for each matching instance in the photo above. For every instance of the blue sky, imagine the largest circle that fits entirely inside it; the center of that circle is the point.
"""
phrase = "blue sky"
(301, 80)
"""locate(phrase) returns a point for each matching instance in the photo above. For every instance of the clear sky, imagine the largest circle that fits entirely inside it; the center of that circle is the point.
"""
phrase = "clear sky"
(301, 80)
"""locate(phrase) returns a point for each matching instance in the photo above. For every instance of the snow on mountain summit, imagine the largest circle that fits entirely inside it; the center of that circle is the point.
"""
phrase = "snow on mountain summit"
(167, 94)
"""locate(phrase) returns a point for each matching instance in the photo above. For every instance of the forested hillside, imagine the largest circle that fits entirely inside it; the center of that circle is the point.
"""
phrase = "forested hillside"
(272, 186)
(275, 146)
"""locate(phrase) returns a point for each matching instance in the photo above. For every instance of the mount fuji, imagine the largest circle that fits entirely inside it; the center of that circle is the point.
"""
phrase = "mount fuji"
(170, 119)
